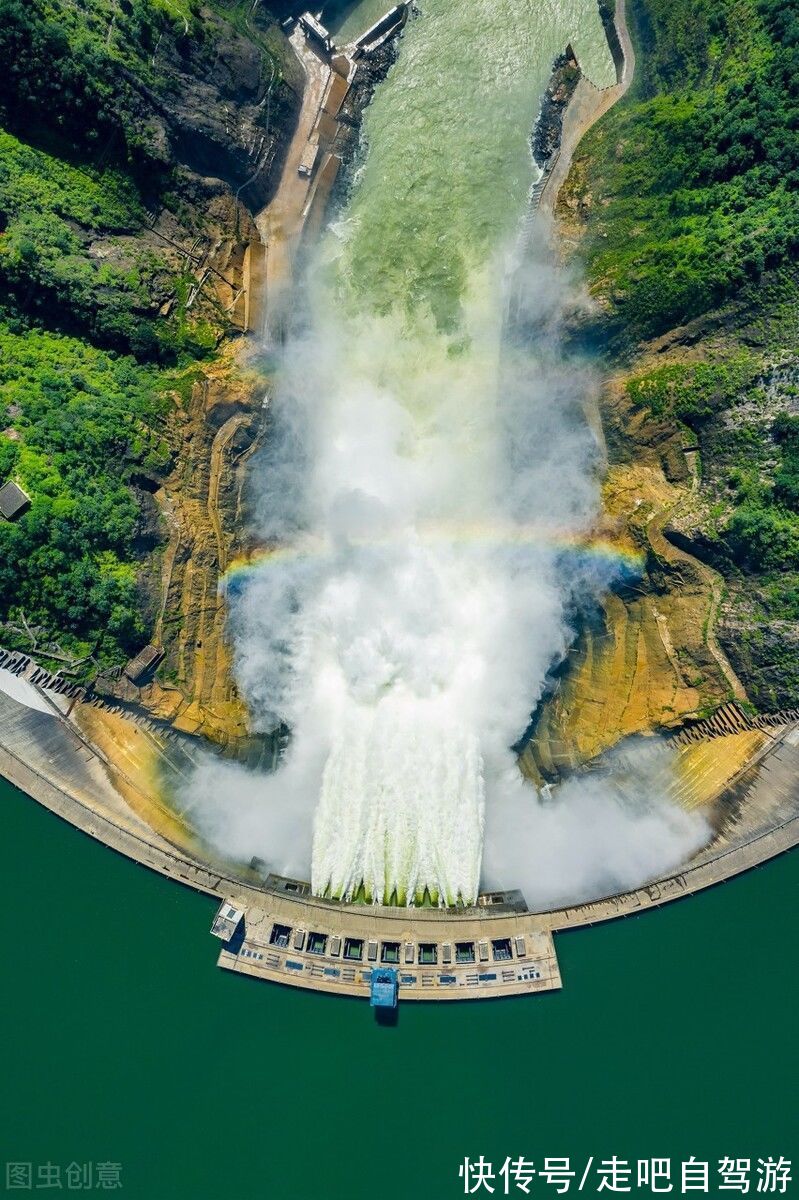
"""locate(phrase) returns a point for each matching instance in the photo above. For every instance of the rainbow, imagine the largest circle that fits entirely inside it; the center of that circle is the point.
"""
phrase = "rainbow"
(618, 561)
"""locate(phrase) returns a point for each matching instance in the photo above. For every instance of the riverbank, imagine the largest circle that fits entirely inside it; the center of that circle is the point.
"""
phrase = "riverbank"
(656, 659)
(587, 105)
(693, 277)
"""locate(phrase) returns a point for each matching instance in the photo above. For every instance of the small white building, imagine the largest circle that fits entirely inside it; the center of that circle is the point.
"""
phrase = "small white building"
(315, 31)
(227, 921)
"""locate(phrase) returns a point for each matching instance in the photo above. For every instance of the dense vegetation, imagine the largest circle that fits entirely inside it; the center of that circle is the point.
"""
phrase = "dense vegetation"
(752, 445)
(85, 422)
(78, 158)
(690, 193)
(52, 210)
(95, 331)
(701, 164)
(742, 411)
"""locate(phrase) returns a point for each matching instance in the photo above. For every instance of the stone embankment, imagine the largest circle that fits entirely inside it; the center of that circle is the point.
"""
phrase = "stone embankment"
(587, 104)
(338, 85)
(731, 719)
(548, 131)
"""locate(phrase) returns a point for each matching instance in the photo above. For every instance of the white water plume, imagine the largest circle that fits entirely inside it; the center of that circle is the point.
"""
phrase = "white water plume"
(405, 631)
(593, 836)
(428, 491)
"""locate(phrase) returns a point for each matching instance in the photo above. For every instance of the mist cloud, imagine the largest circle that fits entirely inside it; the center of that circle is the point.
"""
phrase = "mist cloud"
(591, 837)
(428, 487)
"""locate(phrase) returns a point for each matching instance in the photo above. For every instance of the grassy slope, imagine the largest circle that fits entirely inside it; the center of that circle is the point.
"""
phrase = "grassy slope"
(691, 188)
(87, 362)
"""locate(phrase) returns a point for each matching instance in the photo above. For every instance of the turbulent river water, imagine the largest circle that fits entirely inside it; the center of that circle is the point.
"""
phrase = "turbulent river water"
(421, 478)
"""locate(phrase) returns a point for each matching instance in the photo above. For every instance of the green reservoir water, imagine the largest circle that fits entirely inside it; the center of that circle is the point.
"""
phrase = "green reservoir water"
(674, 1035)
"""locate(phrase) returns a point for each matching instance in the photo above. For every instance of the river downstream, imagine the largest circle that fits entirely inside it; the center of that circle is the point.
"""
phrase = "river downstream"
(422, 479)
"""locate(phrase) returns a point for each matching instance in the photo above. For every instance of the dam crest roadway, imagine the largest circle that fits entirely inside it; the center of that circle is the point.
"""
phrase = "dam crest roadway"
(284, 934)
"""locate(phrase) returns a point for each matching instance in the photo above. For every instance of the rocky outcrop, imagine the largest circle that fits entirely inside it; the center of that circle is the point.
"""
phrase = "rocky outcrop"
(560, 89)
(216, 423)
(228, 103)
(652, 659)
(221, 119)
(765, 654)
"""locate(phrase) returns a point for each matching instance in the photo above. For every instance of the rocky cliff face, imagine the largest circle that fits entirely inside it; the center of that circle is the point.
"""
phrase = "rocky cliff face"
(217, 105)
(223, 102)
(216, 423)
(549, 126)
(222, 118)
(651, 658)
(699, 408)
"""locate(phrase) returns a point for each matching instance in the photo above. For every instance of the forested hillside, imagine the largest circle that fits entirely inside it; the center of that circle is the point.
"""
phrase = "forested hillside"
(127, 130)
(701, 163)
(687, 197)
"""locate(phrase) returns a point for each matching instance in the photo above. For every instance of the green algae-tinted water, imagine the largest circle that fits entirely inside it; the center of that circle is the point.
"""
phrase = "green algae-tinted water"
(122, 1041)
(449, 167)
(408, 431)
(347, 21)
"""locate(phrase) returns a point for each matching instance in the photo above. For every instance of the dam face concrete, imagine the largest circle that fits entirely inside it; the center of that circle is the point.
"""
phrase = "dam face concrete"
(291, 937)
(438, 954)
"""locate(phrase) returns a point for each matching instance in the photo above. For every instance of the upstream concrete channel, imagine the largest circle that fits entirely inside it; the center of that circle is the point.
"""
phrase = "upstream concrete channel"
(495, 948)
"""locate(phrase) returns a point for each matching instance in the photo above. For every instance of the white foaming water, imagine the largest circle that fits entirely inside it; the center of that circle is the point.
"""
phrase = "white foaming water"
(416, 632)
(401, 805)
(420, 483)
(413, 660)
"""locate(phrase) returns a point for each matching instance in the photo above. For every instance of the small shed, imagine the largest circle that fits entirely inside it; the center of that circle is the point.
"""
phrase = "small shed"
(143, 665)
(227, 921)
(13, 501)
(309, 156)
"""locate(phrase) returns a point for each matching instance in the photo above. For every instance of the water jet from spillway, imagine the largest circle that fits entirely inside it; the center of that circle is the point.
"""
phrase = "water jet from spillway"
(404, 657)
(414, 662)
